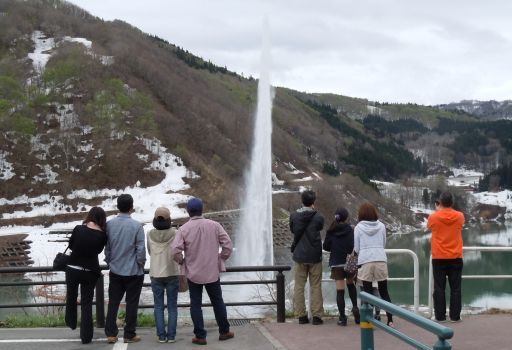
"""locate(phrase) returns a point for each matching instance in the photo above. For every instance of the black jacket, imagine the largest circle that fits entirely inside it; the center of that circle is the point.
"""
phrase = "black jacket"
(85, 244)
(308, 248)
(339, 240)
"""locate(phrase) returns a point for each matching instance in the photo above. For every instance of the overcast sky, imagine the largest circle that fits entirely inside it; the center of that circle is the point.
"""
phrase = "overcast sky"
(427, 52)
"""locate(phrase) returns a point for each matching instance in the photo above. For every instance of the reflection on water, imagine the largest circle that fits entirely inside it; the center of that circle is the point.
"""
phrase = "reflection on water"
(475, 292)
(485, 293)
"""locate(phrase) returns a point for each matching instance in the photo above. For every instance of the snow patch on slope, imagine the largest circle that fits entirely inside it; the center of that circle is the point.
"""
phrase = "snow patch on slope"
(6, 168)
(502, 199)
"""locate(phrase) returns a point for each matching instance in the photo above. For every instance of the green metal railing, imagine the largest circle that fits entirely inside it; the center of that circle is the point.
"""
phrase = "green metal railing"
(368, 322)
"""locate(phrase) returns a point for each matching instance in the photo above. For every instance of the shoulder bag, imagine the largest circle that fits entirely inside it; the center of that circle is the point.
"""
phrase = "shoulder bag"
(61, 260)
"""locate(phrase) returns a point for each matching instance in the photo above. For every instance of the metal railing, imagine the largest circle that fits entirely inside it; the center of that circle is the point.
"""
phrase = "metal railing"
(415, 278)
(466, 249)
(368, 322)
(279, 281)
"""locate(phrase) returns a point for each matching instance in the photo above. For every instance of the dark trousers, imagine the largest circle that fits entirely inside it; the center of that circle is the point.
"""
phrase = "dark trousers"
(118, 286)
(451, 269)
(383, 291)
(219, 308)
(87, 281)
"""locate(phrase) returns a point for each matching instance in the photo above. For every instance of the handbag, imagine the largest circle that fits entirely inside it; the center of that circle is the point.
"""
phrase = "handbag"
(351, 263)
(61, 260)
(183, 284)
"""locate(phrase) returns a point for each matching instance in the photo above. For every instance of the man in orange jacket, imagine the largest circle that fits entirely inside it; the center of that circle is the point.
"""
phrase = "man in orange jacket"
(446, 225)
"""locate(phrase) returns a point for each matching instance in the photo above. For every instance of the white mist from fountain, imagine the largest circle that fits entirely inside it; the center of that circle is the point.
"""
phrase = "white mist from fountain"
(254, 242)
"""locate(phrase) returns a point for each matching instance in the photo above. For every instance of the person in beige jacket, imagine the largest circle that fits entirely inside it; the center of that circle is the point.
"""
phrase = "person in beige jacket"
(164, 272)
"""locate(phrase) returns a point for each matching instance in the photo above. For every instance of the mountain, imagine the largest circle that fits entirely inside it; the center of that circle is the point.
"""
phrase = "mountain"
(487, 110)
(90, 107)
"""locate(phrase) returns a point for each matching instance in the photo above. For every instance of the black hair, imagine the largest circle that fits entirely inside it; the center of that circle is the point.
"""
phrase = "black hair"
(446, 199)
(308, 198)
(125, 203)
(161, 224)
(98, 216)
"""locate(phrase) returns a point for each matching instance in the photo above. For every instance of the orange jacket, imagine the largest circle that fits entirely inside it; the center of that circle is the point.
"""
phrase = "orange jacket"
(446, 225)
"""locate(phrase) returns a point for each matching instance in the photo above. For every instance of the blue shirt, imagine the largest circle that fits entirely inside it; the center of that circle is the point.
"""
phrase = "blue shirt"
(125, 252)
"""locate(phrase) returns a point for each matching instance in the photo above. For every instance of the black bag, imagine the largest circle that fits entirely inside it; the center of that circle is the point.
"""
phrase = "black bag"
(351, 263)
(60, 261)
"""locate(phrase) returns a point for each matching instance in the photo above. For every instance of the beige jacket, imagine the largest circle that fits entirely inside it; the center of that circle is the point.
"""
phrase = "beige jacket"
(161, 263)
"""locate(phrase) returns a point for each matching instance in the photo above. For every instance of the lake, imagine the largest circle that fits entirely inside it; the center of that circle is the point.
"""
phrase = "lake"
(475, 293)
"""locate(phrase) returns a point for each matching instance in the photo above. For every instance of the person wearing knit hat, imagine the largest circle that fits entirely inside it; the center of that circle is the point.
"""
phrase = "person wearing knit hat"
(196, 248)
(164, 272)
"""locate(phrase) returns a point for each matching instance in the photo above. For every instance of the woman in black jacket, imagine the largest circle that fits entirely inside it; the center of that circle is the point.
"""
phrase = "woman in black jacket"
(86, 242)
(340, 242)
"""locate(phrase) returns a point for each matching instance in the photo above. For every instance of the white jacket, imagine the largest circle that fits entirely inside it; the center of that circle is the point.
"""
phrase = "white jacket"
(370, 241)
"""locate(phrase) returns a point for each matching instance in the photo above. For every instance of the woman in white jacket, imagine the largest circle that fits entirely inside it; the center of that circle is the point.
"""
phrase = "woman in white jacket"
(164, 272)
(369, 244)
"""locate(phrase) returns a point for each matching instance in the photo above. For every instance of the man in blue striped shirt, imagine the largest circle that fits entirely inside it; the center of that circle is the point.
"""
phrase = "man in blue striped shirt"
(125, 255)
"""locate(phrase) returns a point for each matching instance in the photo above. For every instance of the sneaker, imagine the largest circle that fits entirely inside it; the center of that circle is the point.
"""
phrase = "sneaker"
(199, 341)
(171, 340)
(391, 324)
(303, 320)
(133, 339)
(111, 340)
(342, 321)
(226, 336)
(162, 339)
(357, 315)
(456, 321)
(317, 321)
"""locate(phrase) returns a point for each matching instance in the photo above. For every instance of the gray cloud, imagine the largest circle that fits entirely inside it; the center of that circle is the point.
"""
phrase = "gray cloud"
(386, 50)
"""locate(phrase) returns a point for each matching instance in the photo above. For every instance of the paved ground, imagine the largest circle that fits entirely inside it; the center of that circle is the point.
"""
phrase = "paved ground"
(475, 332)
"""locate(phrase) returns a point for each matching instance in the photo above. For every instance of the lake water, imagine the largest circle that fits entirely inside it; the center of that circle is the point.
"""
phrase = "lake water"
(475, 293)
(480, 293)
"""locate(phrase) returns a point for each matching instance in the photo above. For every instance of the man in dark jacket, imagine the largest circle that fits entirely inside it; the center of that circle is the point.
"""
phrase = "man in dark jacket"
(306, 224)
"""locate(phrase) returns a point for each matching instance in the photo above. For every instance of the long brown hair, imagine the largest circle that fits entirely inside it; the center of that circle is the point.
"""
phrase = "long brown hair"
(98, 216)
(367, 212)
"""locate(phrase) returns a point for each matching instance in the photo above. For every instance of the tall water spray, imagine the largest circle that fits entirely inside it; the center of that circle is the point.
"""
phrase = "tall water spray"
(254, 244)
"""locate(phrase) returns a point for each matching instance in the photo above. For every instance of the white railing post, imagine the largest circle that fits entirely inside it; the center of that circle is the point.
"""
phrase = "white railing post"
(415, 278)
(416, 274)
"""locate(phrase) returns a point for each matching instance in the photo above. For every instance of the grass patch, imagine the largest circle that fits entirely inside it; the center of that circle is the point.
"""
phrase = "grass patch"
(57, 320)
(32, 321)
(496, 311)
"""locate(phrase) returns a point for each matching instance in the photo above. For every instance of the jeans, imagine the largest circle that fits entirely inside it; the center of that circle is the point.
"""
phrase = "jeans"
(219, 309)
(118, 286)
(87, 281)
(451, 269)
(161, 286)
(303, 271)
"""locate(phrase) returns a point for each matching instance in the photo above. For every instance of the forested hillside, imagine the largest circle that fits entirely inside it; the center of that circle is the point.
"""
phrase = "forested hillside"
(87, 103)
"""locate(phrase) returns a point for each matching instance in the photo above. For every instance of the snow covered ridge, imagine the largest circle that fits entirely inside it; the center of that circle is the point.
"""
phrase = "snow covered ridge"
(44, 45)
(146, 199)
(501, 199)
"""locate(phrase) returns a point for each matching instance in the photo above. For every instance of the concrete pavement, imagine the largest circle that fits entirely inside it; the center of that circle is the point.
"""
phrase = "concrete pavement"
(475, 332)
